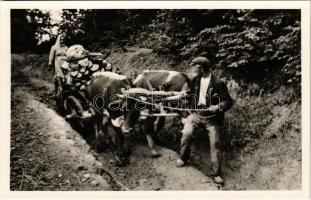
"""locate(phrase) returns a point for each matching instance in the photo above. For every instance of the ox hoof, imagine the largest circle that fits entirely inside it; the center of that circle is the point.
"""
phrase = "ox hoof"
(180, 163)
(218, 180)
(120, 161)
(70, 117)
(155, 154)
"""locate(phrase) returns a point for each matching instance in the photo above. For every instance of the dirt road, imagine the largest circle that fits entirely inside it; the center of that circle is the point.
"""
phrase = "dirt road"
(47, 154)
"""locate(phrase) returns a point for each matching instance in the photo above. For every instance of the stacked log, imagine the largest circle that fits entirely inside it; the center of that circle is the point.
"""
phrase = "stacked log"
(82, 65)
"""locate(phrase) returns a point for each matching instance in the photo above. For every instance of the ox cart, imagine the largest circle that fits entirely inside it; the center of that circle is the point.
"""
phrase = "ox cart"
(70, 90)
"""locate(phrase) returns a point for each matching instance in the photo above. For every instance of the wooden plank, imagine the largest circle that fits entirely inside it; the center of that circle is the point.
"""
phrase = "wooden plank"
(149, 93)
(159, 114)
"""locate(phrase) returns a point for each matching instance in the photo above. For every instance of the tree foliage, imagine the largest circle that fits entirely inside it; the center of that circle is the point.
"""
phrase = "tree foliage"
(255, 45)
(27, 30)
(97, 29)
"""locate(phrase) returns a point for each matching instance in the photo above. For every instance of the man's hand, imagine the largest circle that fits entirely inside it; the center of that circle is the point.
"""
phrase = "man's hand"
(213, 108)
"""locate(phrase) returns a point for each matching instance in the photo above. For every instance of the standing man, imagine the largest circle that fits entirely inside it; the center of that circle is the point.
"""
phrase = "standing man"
(206, 92)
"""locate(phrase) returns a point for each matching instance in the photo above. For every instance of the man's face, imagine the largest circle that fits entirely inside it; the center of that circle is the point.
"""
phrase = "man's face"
(196, 70)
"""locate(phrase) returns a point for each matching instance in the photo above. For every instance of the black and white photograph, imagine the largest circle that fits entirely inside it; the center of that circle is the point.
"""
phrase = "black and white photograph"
(157, 99)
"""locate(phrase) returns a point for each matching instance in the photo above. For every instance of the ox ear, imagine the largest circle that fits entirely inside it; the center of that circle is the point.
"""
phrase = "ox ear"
(123, 90)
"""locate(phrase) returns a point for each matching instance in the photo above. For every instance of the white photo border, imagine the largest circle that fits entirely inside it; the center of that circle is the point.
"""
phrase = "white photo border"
(5, 96)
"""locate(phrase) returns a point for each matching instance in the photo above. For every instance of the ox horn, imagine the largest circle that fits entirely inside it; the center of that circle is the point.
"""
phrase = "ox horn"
(123, 90)
(122, 96)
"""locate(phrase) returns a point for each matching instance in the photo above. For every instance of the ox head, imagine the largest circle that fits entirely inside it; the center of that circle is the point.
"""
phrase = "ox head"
(130, 104)
(137, 100)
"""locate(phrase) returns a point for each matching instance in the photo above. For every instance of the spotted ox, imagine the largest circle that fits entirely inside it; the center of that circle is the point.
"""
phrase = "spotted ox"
(159, 80)
(102, 92)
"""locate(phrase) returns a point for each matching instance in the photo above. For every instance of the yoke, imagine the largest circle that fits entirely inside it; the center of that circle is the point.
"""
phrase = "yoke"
(142, 95)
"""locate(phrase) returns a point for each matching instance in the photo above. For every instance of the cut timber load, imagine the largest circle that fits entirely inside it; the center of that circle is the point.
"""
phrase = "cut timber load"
(82, 64)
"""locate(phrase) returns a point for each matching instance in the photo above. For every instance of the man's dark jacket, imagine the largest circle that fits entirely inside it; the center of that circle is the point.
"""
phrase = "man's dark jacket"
(217, 93)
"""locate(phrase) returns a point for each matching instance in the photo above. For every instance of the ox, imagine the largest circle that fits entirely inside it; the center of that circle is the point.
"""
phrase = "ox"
(104, 92)
(155, 80)
(107, 107)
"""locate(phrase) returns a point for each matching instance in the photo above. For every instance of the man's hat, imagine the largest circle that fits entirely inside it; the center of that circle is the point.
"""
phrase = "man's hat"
(203, 61)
